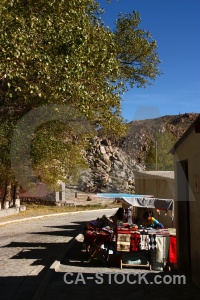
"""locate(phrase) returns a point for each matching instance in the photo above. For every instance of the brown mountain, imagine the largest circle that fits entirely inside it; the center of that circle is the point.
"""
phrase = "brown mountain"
(111, 165)
(142, 133)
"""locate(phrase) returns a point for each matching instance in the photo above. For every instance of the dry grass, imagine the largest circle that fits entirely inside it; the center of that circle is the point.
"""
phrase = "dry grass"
(33, 210)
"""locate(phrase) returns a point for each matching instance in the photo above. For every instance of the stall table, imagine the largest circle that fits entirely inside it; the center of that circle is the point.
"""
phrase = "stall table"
(153, 249)
(128, 244)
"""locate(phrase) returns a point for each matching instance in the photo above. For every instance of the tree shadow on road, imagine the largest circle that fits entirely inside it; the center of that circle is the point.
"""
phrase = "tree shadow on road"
(35, 259)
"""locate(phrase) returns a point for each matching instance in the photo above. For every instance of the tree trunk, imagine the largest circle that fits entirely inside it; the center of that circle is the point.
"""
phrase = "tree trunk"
(7, 196)
(16, 196)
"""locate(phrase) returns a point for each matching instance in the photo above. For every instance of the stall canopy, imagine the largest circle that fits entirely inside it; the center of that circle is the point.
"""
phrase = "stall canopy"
(148, 201)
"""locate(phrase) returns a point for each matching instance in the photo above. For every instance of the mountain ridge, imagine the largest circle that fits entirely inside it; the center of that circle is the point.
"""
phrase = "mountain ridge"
(112, 164)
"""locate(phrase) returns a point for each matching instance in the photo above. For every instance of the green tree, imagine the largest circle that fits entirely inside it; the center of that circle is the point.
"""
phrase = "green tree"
(158, 157)
(60, 52)
(6, 175)
(137, 51)
(57, 52)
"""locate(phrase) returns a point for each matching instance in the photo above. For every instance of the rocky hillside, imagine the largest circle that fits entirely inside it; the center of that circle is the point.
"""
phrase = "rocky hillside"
(111, 168)
(141, 133)
(111, 165)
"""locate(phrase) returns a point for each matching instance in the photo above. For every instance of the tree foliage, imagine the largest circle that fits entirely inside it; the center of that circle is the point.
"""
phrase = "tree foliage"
(60, 52)
(158, 157)
(56, 52)
(137, 51)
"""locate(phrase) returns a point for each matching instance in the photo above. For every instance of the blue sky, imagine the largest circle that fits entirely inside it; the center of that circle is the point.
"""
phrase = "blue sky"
(175, 25)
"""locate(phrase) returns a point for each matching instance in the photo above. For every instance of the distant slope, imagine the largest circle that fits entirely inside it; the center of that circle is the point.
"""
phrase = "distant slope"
(112, 165)
(141, 133)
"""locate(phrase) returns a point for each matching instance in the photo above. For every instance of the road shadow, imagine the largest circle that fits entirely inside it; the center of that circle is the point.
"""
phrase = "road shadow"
(67, 230)
(130, 285)
(79, 278)
(41, 255)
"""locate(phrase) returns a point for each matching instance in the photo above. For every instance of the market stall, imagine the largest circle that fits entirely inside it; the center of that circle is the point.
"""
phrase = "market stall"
(151, 248)
(146, 201)
(136, 245)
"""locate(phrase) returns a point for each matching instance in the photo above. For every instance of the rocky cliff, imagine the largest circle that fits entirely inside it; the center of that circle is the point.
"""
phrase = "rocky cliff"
(142, 133)
(112, 165)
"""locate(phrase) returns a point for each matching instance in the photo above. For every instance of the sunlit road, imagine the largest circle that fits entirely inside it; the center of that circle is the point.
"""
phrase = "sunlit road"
(28, 248)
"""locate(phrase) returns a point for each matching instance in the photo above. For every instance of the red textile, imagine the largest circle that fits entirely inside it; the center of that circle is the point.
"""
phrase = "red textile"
(172, 250)
(101, 237)
(135, 241)
(123, 231)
